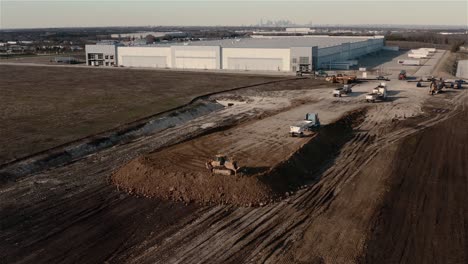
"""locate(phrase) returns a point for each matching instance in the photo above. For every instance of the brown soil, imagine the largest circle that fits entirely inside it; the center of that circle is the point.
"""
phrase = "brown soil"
(271, 167)
(424, 216)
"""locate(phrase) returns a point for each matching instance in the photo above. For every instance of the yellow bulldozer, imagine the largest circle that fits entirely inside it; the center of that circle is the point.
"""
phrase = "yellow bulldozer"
(222, 165)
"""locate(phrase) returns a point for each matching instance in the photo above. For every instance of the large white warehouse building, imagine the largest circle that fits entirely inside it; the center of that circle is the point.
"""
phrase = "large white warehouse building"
(252, 54)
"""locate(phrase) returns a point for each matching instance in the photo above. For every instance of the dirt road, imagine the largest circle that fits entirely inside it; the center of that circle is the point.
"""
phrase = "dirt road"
(431, 64)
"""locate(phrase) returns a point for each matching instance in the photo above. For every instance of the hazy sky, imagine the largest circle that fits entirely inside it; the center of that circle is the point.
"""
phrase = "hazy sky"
(82, 13)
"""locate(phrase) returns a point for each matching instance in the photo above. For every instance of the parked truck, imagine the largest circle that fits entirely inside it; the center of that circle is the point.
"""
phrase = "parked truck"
(338, 92)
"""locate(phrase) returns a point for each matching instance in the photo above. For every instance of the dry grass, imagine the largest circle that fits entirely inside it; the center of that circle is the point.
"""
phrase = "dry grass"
(42, 107)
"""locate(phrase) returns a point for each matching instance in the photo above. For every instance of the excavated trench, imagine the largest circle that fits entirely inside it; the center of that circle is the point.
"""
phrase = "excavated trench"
(175, 173)
(75, 150)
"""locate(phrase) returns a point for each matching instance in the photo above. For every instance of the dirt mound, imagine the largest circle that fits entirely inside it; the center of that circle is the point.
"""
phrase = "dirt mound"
(152, 177)
(303, 166)
(179, 173)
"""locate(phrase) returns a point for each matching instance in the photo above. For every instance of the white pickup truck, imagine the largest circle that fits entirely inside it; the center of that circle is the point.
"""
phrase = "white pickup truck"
(378, 93)
(299, 129)
(311, 121)
(343, 90)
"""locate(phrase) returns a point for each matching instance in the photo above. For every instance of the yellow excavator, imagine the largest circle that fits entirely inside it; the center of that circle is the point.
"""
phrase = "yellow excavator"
(436, 86)
(222, 165)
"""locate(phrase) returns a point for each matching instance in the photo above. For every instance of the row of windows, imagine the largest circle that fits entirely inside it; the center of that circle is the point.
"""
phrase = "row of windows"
(99, 56)
(94, 56)
(101, 63)
(302, 60)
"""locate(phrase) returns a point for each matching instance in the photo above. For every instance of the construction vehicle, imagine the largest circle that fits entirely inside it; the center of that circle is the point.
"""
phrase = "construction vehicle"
(454, 83)
(378, 93)
(222, 165)
(433, 88)
(343, 90)
(436, 86)
(402, 75)
(345, 79)
(331, 79)
(458, 84)
(301, 73)
(310, 123)
(341, 78)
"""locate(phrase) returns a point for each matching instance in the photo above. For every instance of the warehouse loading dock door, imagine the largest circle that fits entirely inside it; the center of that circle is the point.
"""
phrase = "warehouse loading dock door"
(204, 63)
(144, 61)
(255, 64)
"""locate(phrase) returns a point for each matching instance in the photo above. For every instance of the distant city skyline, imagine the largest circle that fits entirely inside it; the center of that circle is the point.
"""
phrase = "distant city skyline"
(76, 13)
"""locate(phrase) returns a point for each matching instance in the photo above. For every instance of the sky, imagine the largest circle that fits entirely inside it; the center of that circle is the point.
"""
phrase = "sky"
(85, 13)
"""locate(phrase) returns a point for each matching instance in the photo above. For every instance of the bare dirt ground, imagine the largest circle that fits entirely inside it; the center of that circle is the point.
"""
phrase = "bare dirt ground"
(180, 171)
(260, 147)
(424, 213)
(365, 195)
(43, 107)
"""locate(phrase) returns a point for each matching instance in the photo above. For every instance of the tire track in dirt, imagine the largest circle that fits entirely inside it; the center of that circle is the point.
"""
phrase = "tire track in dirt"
(179, 172)
(423, 216)
(284, 220)
(60, 193)
(290, 218)
(153, 231)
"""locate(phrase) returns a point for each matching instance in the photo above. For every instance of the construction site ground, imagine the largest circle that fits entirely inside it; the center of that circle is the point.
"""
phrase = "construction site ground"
(380, 182)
